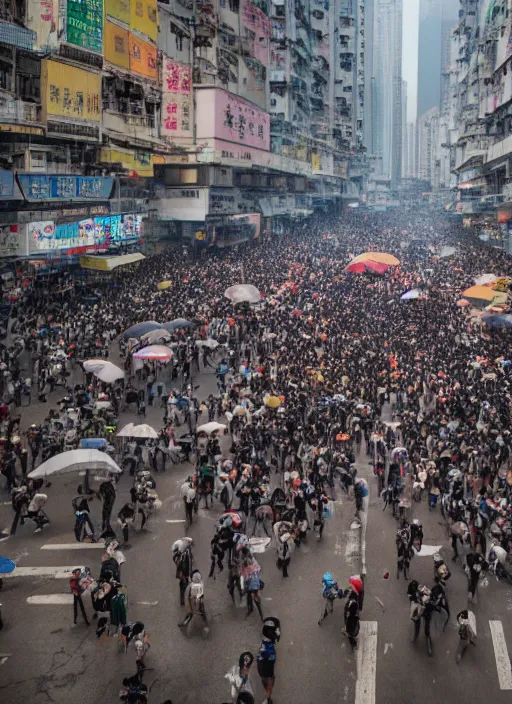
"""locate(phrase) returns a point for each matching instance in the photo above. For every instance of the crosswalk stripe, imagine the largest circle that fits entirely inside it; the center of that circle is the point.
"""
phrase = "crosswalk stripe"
(50, 599)
(501, 654)
(55, 572)
(366, 663)
(175, 520)
(73, 546)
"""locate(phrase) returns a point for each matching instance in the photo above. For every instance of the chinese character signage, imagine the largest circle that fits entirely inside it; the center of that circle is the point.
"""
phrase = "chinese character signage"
(70, 92)
(176, 99)
(43, 187)
(117, 45)
(142, 57)
(144, 18)
(224, 116)
(85, 24)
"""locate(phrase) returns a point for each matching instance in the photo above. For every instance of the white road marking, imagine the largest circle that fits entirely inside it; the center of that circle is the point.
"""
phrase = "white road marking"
(50, 599)
(55, 572)
(175, 520)
(148, 603)
(366, 663)
(3, 660)
(501, 654)
(427, 550)
(73, 546)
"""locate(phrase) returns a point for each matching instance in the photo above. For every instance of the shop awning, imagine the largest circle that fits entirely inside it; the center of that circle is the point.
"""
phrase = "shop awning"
(110, 263)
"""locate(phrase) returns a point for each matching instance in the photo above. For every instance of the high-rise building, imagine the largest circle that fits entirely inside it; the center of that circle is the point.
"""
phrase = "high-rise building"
(436, 20)
(411, 144)
(387, 53)
(405, 134)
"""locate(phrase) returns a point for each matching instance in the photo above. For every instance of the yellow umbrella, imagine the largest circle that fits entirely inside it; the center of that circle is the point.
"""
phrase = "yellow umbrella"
(163, 285)
(272, 402)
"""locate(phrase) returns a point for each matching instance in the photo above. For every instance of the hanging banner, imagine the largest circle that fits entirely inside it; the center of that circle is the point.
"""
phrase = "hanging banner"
(118, 10)
(142, 57)
(43, 187)
(70, 92)
(144, 18)
(117, 45)
(43, 19)
(85, 24)
(176, 98)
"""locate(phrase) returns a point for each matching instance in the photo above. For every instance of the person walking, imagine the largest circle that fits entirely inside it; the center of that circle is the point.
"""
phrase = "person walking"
(188, 494)
(271, 633)
(77, 591)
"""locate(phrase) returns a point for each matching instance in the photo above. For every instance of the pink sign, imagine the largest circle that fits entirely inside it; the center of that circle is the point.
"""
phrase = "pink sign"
(225, 116)
(176, 99)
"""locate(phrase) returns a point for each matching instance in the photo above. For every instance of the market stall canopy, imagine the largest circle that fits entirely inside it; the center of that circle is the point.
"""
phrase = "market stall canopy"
(143, 431)
(140, 329)
(110, 263)
(484, 279)
(243, 293)
(483, 294)
(103, 370)
(75, 461)
(177, 324)
(154, 336)
(156, 352)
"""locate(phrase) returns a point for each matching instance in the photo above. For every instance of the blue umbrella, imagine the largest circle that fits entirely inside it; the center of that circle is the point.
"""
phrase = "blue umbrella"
(497, 321)
(177, 324)
(142, 328)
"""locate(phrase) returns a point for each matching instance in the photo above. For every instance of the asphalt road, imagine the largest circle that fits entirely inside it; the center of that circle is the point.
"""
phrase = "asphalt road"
(48, 659)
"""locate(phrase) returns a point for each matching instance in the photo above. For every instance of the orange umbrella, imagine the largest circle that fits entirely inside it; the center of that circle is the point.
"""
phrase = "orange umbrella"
(463, 303)
(381, 257)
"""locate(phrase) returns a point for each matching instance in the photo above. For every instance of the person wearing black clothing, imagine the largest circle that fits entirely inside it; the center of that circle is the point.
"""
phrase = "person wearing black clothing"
(107, 492)
(76, 590)
(475, 564)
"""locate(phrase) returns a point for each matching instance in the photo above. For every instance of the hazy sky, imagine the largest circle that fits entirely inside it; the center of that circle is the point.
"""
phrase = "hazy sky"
(410, 53)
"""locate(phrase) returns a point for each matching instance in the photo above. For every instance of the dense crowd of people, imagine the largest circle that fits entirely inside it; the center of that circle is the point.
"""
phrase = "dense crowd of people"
(302, 378)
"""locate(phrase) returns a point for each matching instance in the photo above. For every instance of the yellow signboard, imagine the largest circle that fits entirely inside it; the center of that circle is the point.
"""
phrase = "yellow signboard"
(96, 263)
(71, 92)
(21, 129)
(316, 162)
(116, 47)
(141, 163)
(142, 57)
(118, 10)
(144, 17)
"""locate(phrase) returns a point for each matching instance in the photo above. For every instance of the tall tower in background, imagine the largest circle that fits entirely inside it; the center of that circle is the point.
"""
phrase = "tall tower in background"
(405, 134)
(436, 19)
(388, 87)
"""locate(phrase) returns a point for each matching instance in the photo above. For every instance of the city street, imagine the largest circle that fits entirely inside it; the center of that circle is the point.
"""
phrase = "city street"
(47, 659)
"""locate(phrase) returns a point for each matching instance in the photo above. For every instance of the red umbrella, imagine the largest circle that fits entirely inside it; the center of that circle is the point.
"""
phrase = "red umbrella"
(297, 312)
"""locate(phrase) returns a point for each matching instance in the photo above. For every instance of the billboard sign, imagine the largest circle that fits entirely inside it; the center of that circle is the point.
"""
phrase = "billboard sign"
(43, 187)
(84, 26)
(225, 116)
(142, 58)
(90, 233)
(70, 92)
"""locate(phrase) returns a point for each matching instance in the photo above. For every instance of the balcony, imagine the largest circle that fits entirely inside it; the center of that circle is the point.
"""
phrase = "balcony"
(17, 111)
(133, 126)
(499, 149)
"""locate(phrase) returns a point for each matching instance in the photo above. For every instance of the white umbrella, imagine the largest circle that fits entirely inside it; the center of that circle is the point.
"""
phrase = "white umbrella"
(156, 336)
(143, 431)
(106, 371)
(447, 252)
(485, 279)
(157, 352)
(410, 295)
(239, 411)
(240, 293)
(74, 461)
(211, 344)
(126, 431)
(99, 405)
(210, 428)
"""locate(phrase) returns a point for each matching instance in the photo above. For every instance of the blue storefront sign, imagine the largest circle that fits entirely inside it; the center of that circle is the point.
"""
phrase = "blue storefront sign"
(43, 187)
(6, 184)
